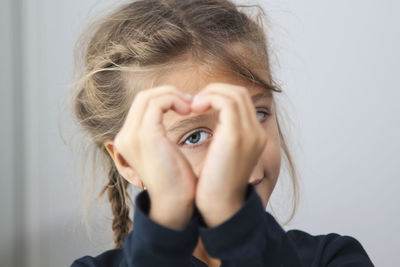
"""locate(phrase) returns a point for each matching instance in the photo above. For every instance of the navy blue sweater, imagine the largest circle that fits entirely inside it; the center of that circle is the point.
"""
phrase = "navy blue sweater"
(249, 238)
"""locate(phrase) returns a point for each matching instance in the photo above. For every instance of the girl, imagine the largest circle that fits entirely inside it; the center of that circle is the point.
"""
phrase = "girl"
(179, 97)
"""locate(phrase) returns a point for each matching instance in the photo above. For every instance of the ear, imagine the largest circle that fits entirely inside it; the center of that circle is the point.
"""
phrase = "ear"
(124, 169)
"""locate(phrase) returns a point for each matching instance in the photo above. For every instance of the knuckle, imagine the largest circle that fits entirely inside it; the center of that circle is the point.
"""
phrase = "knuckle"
(142, 95)
(213, 87)
(242, 90)
(173, 89)
(168, 89)
(152, 102)
(210, 86)
(231, 104)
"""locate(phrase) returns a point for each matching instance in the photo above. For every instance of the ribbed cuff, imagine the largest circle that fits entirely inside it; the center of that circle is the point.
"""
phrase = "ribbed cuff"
(153, 233)
(234, 230)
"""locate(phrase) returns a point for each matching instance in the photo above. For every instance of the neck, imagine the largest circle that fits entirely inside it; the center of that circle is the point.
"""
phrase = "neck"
(201, 253)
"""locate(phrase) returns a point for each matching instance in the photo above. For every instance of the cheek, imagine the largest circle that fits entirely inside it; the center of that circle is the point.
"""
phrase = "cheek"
(271, 158)
(271, 162)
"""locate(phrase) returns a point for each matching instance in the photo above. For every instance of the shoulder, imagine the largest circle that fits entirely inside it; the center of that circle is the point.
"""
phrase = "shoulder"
(108, 258)
(301, 238)
(329, 248)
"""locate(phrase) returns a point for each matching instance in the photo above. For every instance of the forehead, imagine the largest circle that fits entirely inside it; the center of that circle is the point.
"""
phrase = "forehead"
(192, 79)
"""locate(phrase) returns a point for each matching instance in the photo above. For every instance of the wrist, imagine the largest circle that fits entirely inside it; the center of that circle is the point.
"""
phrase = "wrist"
(215, 214)
(175, 216)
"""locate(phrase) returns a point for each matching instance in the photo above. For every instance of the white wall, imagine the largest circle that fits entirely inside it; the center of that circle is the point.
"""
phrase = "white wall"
(338, 64)
(8, 234)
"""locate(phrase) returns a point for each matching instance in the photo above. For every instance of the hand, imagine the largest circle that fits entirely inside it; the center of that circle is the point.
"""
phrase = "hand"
(235, 149)
(143, 144)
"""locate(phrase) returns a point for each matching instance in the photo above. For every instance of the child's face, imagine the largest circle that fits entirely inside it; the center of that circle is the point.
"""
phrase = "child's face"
(193, 137)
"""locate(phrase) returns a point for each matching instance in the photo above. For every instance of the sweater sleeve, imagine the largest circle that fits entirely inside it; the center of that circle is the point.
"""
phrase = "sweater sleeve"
(150, 244)
(252, 237)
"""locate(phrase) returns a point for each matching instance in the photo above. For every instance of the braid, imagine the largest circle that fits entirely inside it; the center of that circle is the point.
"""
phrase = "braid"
(117, 196)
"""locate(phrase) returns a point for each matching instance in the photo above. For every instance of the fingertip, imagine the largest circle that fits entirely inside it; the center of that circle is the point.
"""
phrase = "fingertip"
(182, 107)
(188, 96)
(195, 97)
(199, 106)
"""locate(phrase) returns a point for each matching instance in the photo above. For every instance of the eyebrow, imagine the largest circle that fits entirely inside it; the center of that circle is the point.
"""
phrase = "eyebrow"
(181, 125)
(256, 97)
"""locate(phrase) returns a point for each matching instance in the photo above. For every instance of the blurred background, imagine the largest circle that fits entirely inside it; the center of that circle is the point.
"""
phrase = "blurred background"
(338, 62)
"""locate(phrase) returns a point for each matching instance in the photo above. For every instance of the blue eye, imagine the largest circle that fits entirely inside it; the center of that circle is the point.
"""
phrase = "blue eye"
(262, 116)
(196, 138)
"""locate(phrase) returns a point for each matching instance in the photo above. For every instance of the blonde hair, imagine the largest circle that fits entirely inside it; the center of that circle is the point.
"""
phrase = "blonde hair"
(143, 38)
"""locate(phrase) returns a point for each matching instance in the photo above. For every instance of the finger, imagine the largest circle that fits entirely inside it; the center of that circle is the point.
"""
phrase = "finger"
(153, 116)
(140, 103)
(244, 94)
(227, 107)
(238, 94)
(241, 93)
(151, 121)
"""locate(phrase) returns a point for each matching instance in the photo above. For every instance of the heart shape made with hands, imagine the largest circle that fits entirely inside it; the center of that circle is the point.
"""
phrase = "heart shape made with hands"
(224, 175)
(238, 136)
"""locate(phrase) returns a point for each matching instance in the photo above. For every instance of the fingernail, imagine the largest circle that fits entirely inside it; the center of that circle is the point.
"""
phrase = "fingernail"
(188, 96)
(196, 96)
